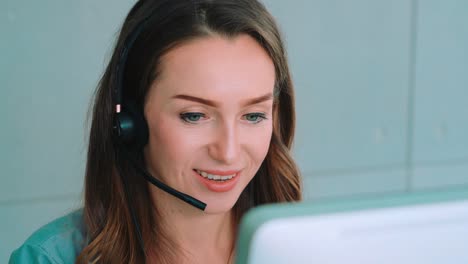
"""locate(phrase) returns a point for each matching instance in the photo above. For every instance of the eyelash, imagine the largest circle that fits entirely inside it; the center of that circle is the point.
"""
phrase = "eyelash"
(185, 117)
(261, 116)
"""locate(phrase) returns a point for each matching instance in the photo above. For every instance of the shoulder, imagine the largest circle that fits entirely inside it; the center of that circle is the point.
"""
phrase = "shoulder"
(60, 241)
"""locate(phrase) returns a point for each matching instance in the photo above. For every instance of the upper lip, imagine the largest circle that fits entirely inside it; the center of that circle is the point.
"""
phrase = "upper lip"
(220, 172)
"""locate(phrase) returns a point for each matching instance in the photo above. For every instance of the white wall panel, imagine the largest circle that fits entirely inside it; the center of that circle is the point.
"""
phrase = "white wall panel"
(350, 62)
(358, 183)
(440, 176)
(441, 91)
(55, 53)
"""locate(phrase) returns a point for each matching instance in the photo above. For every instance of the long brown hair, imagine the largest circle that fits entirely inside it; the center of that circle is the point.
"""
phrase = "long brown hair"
(110, 230)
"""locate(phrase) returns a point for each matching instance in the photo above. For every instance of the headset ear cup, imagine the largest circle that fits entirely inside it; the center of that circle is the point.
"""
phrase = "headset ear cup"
(140, 124)
(131, 127)
(123, 128)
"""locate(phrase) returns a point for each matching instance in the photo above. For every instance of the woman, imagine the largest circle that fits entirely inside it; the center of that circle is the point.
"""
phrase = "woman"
(197, 96)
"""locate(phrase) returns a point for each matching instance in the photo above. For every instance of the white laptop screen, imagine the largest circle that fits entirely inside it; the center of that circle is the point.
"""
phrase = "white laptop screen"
(407, 229)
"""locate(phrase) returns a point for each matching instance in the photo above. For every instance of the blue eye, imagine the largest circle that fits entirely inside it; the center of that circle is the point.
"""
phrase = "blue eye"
(191, 117)
(255, 118)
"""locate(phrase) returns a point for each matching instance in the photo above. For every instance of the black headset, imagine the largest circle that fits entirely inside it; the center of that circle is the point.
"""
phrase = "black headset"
(130, 127)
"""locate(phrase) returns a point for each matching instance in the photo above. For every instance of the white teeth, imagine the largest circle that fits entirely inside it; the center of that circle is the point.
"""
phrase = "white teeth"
(215, 177)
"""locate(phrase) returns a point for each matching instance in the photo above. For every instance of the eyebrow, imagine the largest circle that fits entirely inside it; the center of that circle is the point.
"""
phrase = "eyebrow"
(252, 101)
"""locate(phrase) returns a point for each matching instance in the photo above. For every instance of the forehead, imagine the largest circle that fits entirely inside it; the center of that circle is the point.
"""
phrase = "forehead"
(216, 66)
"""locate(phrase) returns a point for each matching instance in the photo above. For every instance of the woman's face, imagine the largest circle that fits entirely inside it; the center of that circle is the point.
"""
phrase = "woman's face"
(209, 114)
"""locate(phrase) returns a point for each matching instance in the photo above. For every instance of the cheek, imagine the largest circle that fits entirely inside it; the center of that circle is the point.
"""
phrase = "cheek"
(165, 148)
(172, 143)
(259, 144)
(167, 141)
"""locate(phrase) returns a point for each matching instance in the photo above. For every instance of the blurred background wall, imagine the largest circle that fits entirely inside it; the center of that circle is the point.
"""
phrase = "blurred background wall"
(381, 86)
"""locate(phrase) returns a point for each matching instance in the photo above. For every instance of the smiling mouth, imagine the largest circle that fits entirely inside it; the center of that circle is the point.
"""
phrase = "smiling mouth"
(214, 177)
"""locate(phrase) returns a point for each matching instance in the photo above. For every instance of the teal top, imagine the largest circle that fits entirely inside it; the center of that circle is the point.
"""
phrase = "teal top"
(60, 241)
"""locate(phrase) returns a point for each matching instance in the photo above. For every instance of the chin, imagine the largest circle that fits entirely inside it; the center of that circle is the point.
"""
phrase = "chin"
(219, 206)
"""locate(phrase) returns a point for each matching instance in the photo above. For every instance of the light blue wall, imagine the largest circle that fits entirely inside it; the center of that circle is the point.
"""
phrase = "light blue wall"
(52, 55)
(440, 101)
(382, 98)
(382, 93)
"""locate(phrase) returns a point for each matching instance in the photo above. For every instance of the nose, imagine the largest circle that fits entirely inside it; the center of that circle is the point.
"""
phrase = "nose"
(225, 147)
